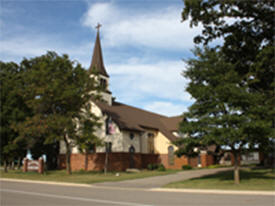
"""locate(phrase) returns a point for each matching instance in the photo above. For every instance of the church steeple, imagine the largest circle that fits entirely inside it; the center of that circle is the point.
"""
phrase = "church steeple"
(98, 65)
(97, 60)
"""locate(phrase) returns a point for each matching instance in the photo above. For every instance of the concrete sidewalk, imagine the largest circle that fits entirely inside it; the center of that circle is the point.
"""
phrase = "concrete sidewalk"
(159, 181)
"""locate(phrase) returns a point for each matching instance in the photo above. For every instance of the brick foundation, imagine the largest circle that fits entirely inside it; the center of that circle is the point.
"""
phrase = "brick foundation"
(206, 160)
(120, 161)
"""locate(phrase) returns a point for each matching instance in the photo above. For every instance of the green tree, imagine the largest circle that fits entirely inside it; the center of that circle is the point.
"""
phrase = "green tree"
(247, 32)
(221, 114)
(51, 150)
(88, 141)
(233, 83)
(13, 111)
(59, 91)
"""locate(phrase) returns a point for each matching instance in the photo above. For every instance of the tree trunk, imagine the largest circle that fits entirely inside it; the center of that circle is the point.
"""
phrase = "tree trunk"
(68, 162)
(68, 157)
(86, 161)
(106, 163)
(12, 165)
(19, 163)
(5, 166)
(9, 165)
(236, 168)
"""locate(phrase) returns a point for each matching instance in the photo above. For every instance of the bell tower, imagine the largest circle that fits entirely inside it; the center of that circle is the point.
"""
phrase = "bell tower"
(97, 65)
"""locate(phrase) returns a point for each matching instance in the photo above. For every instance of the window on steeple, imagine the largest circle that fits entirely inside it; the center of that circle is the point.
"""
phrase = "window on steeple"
(103, 83)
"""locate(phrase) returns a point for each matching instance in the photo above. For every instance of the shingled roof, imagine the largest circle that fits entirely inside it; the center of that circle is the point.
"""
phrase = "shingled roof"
(97, 60)
(132, 118)
(172, 123)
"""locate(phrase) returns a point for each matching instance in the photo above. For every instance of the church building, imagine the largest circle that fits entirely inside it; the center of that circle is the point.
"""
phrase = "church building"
(133, 137)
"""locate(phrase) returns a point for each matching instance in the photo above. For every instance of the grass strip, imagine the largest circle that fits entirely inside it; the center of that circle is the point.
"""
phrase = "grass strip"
(85, 177)
(251, 179)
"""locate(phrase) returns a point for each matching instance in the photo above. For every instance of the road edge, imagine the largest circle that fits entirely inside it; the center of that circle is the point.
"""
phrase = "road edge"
(200, 191)
(46, 182)
(207, 191)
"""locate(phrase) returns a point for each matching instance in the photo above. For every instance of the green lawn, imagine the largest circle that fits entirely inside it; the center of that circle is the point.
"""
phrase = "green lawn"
(251, 179)
(81, 176)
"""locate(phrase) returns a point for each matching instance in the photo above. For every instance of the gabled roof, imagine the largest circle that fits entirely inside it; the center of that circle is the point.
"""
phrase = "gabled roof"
(97, 60)
(172, 123)
(132, 118)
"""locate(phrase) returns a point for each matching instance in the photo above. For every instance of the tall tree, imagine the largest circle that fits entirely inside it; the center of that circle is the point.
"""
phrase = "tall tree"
(59, 91)
(13, 111)
(233, 83)
(221, 113)
(247, 32)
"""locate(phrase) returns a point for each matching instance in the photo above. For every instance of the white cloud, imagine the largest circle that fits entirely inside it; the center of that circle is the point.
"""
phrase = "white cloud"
(160, 28)
(25, 46)
(162, 80)
(166, 108)
(31, 45)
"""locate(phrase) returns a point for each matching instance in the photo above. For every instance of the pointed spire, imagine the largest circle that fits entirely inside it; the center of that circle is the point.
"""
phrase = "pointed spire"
(97, 60)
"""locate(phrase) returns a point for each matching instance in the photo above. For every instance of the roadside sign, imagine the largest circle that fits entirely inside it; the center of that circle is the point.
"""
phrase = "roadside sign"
(33, 165)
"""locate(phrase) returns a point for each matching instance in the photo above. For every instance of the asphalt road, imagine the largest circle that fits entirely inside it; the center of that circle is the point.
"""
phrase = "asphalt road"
(18, 193)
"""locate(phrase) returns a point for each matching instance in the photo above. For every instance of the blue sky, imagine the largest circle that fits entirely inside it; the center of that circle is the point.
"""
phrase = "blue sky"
(143, 43)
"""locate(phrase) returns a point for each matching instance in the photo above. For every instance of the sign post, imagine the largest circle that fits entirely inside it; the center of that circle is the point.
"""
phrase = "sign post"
(33, 165)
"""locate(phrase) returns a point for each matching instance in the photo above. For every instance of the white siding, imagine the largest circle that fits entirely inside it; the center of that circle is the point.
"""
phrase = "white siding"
(121, 141)
(128, 142)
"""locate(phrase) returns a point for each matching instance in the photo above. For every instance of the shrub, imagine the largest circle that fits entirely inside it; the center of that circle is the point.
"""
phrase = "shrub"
(215, 166)
(161, 168)
(150, 167)
(186, 167)
(81, 171)
(155, 166)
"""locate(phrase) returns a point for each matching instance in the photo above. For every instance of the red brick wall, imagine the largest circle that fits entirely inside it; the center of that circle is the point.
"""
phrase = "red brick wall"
(206, 160)
(120, 161)
(193, 161)
(150, 159)
(178, 162)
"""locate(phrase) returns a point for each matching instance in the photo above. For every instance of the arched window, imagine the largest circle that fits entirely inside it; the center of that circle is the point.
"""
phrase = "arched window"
(132, 136)
(91, 148)
(103, 83)
(151, 143)
(171, 155)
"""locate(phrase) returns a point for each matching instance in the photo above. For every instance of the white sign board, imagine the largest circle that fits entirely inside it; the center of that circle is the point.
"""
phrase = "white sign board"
(33, 165)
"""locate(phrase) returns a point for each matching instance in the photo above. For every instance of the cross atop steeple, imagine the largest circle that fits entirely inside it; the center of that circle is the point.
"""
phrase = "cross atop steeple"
(97, 59)
(98, 26)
